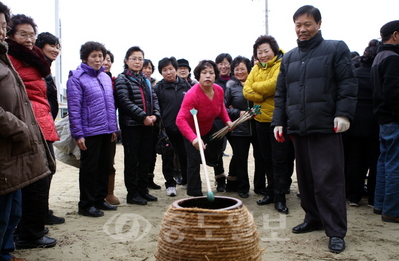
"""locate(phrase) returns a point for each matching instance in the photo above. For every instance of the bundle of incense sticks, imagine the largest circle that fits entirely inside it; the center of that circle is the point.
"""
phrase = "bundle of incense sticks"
(249, 114)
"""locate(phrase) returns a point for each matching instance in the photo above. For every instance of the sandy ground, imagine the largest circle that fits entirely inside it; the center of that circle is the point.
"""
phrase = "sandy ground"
(131, 232)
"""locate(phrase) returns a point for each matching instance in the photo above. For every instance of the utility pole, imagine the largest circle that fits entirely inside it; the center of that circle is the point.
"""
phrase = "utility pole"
(266, 17)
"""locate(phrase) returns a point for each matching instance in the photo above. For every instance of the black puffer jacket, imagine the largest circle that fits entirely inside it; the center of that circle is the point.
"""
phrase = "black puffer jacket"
(136, 99)
(316, 84)
(385, 80)
(170, 96)
(235, 103)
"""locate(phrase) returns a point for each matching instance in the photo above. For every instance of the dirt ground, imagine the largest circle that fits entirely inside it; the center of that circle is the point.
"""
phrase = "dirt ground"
(131, 232)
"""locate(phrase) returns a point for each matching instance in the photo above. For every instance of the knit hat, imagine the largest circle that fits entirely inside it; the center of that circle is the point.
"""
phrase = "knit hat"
(183, 62)
(388, 28)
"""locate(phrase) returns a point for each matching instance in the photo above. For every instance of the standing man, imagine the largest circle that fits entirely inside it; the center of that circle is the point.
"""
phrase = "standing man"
(385, 81)
(315, 100)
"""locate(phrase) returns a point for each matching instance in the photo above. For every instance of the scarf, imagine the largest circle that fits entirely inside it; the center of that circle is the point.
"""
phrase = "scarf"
(34, 57)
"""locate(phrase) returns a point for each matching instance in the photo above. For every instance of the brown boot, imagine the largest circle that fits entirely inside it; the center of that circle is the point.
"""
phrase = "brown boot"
(111, 199)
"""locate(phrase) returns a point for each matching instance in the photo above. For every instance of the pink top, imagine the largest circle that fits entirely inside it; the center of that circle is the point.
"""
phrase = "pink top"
(207, 109)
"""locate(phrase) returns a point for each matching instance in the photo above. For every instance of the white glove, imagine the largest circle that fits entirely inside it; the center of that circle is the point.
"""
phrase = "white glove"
(278, 133)
(341, 124)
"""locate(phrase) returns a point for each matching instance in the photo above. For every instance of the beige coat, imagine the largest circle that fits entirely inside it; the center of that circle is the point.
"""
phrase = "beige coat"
(24, 155)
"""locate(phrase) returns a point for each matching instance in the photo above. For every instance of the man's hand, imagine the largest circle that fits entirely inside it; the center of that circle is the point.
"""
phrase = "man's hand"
(341, 124)
(278, 133)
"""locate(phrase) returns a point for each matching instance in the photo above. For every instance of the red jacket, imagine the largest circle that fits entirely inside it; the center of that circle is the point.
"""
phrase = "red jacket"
(37, 94)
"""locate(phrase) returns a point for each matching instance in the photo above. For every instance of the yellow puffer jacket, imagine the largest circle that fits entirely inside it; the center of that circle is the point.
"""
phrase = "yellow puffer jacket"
(260, 86)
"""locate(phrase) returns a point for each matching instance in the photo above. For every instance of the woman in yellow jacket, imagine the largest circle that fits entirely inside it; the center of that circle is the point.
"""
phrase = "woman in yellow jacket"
(260, 88)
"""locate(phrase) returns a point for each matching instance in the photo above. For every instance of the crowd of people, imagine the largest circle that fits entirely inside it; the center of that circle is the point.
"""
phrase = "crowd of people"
(339, 124)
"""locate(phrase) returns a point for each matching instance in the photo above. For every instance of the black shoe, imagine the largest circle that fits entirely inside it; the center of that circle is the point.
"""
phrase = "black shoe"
(179, 180)
(288, 191)
(53, 220)
(281, 207)
(336, 245)
(15, 234)
(149, 197)
(152, 185)
(42, 242)
(50, 211)
(307, 227)
(221, 184)
(243, 194)
(265, 200)
(137, 200)
(90, 212)
(105, 206)
(260, 192)
(377, 211)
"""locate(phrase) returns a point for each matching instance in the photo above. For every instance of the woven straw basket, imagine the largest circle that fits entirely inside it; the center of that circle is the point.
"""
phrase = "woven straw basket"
(196, 229)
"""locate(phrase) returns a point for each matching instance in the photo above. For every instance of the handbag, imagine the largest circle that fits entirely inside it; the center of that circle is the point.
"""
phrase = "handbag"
(163, 145)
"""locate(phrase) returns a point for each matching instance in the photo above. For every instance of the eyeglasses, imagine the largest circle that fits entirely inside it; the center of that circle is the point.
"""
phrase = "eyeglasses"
(26, 36)
(136, 59)
(224, 64)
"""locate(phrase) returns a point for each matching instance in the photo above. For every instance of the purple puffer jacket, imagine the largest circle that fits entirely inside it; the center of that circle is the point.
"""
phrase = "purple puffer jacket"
(91, 104)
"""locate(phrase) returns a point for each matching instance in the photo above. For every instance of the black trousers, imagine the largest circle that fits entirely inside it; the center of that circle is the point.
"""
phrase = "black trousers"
(361, 155)
(212, 153)
(94, 170)
(239, 161)
(279, 162)
(35, 206)
(138, 144)
(168, 165)
(321, 180)
(34, 209)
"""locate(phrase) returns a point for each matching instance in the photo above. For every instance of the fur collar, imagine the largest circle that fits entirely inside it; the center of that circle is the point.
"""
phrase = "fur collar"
(34, 57)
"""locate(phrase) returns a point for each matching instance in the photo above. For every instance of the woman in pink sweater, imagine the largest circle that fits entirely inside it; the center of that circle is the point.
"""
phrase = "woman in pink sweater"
(208, 99)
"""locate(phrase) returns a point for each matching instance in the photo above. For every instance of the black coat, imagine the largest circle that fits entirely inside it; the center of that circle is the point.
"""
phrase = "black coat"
(170, 96)
(385, 81)
(235, 103)
(135, 99)
(316, 84)
(364, 122)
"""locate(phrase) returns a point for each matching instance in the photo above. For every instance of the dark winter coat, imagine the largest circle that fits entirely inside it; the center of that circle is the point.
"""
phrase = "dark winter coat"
(135, 99)
(52, 94)
(385, 81)
(316, 84)
(364, 122)
(170, 97)
(235, 103)
(24, 155)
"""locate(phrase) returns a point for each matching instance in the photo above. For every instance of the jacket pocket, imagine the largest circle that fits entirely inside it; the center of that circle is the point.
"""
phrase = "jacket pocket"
(22, 146)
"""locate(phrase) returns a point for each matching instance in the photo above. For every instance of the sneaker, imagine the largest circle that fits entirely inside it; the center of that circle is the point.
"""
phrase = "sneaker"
(171, 191)
(353, 204)
(184, 186)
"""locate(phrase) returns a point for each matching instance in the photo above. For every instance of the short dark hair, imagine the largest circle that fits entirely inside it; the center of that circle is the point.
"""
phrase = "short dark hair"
(265, 39)
(89, 47)
(6, 11)
(21, 19)
(46, 38)
(221, 57)
(147, 62)
(370, 52)
(165, 62)
(241, 59)
(388, 29)
(129, 52)
(309, 10)
(111, 56)
(202, 65)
